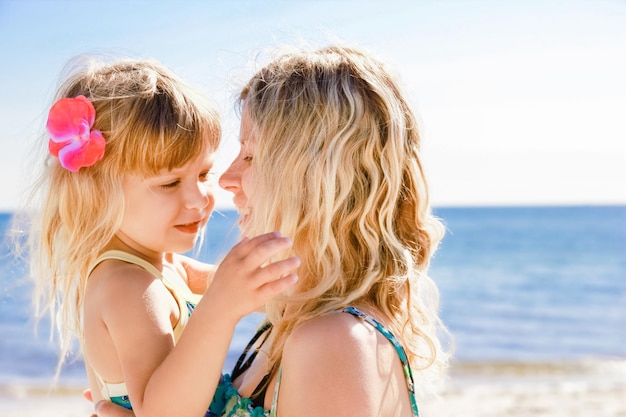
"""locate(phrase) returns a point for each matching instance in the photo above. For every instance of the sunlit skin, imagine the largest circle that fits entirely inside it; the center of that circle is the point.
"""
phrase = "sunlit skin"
(311, 342)
(328, 362)
(163, 215)
(239, 178)
(166, 213)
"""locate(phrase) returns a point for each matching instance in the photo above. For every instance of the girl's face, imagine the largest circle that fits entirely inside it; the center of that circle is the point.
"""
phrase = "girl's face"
(166, 212)
(239, 177)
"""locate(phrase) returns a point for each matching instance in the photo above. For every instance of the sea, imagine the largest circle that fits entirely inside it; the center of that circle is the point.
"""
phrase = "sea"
(517, 284)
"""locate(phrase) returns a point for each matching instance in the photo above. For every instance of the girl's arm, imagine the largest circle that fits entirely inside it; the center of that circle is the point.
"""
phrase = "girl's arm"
(184, 383)
(128, 327)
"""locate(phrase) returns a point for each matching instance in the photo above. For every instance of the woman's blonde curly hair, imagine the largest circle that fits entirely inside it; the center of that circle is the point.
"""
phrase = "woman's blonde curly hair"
(337, 167)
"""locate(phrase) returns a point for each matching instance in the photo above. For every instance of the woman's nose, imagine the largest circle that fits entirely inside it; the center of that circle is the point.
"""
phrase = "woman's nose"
(230, 180)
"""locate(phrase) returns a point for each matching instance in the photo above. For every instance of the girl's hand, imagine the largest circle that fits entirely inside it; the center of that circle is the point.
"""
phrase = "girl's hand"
(248, 277)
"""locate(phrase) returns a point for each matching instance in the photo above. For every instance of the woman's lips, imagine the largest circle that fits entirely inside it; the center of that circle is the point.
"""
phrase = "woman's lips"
(244, 213)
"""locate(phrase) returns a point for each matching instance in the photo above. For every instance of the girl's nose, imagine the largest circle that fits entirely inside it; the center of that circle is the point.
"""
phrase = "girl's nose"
(199, 196)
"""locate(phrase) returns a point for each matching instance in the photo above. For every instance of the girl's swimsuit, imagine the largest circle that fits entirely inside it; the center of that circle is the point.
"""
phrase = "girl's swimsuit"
(228, 401)
(173, 281)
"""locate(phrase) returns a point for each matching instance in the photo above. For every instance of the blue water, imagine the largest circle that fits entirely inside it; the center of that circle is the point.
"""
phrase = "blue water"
(517, 284)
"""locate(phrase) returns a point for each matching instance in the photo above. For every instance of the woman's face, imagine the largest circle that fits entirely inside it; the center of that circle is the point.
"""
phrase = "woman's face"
(239, 177)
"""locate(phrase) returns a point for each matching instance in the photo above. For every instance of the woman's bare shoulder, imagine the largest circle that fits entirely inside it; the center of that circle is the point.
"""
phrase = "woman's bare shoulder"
(326, 353)
(330, 330)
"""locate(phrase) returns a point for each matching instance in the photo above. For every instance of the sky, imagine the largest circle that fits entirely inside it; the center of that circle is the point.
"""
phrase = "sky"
(519, 102)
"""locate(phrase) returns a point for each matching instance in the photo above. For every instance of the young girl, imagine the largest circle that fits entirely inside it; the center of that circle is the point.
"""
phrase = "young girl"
(128, 185)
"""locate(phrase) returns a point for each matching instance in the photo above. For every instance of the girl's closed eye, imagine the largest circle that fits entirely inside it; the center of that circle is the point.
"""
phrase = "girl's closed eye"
(170, 185)
(247, 158)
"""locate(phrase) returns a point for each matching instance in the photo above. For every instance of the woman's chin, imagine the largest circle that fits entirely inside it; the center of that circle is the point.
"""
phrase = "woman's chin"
(244, 217)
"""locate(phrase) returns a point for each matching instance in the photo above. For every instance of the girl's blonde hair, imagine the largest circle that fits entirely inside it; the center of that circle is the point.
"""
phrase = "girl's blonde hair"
(151, 121)
(337, 167)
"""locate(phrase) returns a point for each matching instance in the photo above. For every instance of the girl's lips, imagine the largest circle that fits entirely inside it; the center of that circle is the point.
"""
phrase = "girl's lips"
(189, 227)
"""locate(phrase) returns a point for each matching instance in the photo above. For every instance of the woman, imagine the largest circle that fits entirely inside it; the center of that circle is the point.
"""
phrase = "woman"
(330, 155)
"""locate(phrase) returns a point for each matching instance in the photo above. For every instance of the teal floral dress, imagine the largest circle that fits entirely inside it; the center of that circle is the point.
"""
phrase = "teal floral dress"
(228, 402)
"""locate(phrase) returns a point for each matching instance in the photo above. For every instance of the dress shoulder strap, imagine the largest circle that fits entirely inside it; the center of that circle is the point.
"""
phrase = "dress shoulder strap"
(126, 257)
(406, 367)
(245, 361)
(276, 388)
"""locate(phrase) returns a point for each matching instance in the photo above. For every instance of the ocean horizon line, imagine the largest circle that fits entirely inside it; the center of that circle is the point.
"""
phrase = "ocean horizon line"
(556, 205)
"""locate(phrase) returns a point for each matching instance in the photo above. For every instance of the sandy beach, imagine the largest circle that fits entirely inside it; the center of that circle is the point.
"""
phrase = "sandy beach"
(474, 390)
(533, 390)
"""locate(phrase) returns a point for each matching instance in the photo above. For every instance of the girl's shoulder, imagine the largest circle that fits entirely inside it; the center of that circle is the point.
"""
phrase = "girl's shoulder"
(126, 296)
(117, 279)
(117, 271)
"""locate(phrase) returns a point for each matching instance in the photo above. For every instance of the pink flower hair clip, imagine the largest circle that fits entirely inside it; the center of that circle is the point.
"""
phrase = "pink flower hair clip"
(71, 138)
